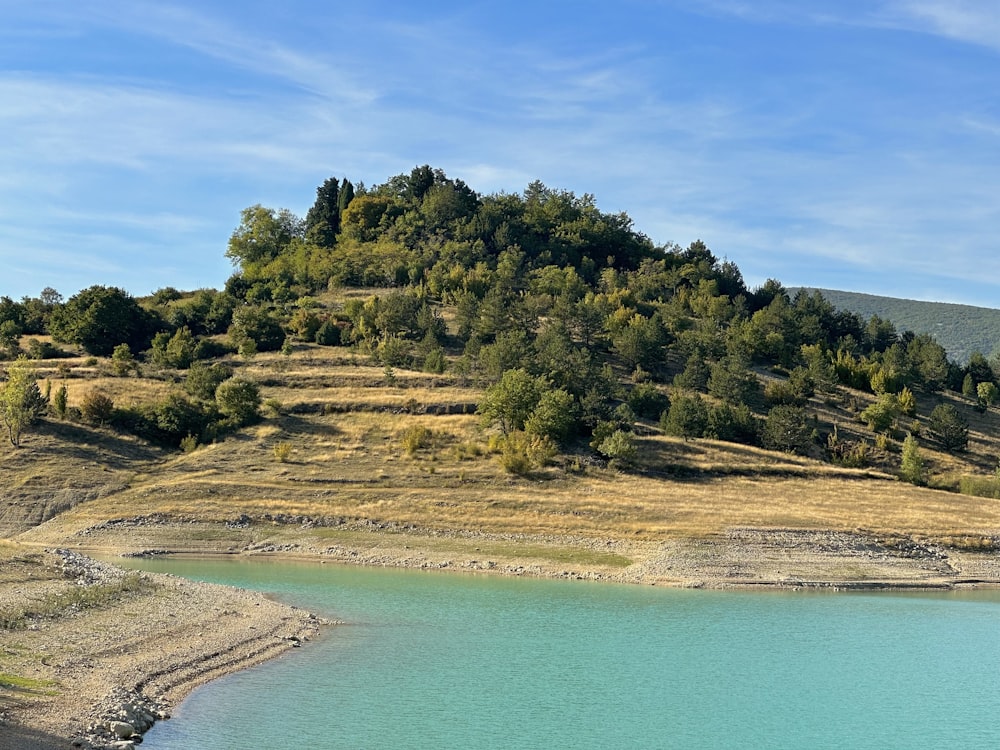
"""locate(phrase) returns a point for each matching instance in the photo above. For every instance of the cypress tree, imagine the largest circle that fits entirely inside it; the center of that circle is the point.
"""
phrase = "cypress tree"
(323, 219)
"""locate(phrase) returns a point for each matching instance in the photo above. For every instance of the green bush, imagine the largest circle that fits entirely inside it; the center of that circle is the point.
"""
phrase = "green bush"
(686, 418)
(980, 486)
(648, 401)
(239, 400)
(619, 447)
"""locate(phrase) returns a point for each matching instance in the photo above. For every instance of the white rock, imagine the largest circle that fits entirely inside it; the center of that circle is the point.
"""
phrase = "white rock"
(121, 729)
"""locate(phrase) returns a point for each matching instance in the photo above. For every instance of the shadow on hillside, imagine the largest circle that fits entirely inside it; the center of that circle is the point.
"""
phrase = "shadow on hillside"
(297, 425)
(22, 738)
(110, 450)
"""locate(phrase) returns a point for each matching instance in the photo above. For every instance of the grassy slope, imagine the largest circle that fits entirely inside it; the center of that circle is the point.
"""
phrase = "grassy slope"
(345, 423)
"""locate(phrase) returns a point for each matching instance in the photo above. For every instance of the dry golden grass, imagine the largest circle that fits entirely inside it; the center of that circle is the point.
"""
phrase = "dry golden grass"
(347, 458)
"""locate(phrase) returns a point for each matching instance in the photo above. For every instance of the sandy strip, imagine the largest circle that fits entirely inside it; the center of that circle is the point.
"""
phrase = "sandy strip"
(158, 642)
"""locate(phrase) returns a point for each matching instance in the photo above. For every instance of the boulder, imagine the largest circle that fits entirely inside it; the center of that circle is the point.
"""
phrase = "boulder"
(121, 729)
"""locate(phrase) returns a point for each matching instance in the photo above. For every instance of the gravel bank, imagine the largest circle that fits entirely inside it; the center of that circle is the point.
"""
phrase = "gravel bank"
(97, 661)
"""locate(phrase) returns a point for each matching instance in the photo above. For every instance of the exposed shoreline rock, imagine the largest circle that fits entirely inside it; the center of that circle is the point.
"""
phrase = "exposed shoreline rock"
(103, 673)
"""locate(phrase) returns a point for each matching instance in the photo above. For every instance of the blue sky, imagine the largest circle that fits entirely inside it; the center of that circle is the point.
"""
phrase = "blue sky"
(844, 144)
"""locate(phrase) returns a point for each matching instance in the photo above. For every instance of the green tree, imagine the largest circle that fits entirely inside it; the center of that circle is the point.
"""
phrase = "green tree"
(687, 417)
(262, 235)
(949, 428)
(969, 386)
(912, 467)
(252, 324)
(733, 382)
(323, 219)
(21, 401)
(203, 379)
(360, 220)
(10, 334)
(987, 394)
(60, 400)
(99, 319)
(907, 402)
(695, 374)
(510, 401)
(509, 351)
(122, 361)
(555, 416)
(639, 343)
(239, 400)
(648, 401)
(177, 416)
(734, 424)
(787, 429)
(181, 348)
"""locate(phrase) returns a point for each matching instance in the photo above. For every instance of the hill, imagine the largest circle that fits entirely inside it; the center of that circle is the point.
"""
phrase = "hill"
(960, 329)
(418, 358)
(417, 375)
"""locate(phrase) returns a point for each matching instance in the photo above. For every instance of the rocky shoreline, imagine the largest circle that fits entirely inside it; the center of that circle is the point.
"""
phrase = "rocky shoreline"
(99, 662)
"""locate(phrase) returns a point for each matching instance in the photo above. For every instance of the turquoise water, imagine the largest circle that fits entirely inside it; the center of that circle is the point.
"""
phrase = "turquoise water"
(445, 661)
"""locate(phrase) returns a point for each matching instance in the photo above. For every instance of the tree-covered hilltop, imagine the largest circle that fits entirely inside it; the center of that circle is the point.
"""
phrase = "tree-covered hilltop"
(963, 330)
(578, 328)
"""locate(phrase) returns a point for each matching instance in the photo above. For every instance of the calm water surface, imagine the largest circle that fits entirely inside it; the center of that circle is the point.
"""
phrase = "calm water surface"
(448, 661)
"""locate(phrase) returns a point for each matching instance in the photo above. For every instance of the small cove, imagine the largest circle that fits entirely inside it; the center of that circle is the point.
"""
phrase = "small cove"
(454, 661)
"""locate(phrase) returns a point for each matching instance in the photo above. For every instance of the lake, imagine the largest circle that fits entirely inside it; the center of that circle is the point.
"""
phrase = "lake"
(443, 661)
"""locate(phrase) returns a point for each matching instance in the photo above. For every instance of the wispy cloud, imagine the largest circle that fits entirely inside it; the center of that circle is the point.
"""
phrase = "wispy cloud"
(967, 21)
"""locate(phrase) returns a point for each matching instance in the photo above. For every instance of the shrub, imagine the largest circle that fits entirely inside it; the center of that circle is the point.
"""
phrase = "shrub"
(239, 400)
(122, 361)
(97, 408)
(514, 457)
(619, 447)
(880, 415)
(734, 424)
(520, 452)
(282, 451)
(44, 350)
(189, 443)
(202, 380)
(328, 334)
(912, 467)
(782, 392)
(434, 361)
(254, 330)
(176, 415)
(980, 486)
(416, 438)
(907, 402)
(304, 324)
(394, 351)
(211, 348)
(648, 401)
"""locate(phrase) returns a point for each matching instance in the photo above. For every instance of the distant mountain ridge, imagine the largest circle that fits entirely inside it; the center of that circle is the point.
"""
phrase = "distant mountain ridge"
(960, 329)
